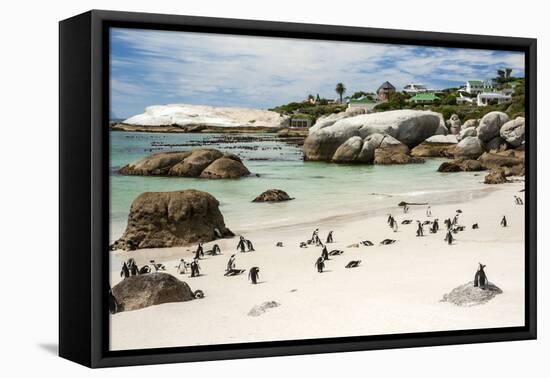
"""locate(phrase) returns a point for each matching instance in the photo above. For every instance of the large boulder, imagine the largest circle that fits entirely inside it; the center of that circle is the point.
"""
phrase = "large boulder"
(146, 290)
(490, 124)
(461, 165)
(170, 219)
(211, 162)
(454, 124)
(194, 164)
(273, 195)
(470, 147)
(223, 168)
(496, 144)
(392, 151)
(436, 146)
(501, 159)
(370, 144)
(470, 123)
(410, 127)
(158, 164)
(348, 151)
(470, 131)
(513, 132)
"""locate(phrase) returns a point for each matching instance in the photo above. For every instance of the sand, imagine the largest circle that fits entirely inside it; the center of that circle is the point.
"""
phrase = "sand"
(397, 288)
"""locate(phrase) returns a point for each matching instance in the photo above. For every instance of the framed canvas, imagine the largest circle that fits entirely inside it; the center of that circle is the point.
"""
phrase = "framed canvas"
(234, 188)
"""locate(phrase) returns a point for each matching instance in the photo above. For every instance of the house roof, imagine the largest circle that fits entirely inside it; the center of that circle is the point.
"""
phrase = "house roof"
(386, 85)
(424, 97)
(363, 100)
(478, 82)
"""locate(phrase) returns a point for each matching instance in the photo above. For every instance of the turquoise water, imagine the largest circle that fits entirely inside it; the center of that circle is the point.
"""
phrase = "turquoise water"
(320, 189)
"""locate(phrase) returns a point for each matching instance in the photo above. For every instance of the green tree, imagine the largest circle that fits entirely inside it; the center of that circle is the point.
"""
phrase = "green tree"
(340, 89)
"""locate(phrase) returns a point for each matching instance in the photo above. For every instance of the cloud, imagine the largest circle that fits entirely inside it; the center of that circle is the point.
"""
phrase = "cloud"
(156, 67)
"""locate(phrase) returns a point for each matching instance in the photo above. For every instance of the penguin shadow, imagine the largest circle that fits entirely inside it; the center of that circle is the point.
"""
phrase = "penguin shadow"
(260, 282)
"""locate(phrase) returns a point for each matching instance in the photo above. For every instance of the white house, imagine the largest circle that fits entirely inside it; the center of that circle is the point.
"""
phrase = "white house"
(483, 99)
(474, 86)
(413, 88)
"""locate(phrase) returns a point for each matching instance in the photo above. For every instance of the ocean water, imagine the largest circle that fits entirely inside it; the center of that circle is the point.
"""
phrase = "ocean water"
(321, 190)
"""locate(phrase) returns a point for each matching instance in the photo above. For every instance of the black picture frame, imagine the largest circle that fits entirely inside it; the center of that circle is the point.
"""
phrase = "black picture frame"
(84, 194)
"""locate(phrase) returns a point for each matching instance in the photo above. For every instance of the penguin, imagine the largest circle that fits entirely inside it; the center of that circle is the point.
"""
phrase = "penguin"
(329, 238)
(134, 270)
(420, 229)
(449, 237)
(405, 209)
(366, 243)
(182, 267)
(324, 253)
(426, 223)
(250, 246)
(389, 218)
(242, 244)
(230, 263)
(279, 244)
(114, 306)
(125, 271)
(198, 294)
(195, 268)
(387, 241)
(429, 212)
(407, 221)
(335, 252)
(215, 250)
(199, 252)
(504, 222)
(217, 233)
(480, 278)
(254, 274)
(353, 264)
(303, 245)
(320, 264)
(145, 269)
(436, 224)
(394, 226)
(475, 226)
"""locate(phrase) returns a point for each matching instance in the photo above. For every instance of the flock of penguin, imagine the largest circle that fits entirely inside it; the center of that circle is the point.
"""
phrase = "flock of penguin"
(130, 268)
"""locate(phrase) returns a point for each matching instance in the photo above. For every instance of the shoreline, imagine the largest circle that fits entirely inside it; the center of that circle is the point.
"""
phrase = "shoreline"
(195, 129)
(410, 276)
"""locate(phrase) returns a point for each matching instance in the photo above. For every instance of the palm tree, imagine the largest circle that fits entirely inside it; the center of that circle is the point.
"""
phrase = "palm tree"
(340, 89)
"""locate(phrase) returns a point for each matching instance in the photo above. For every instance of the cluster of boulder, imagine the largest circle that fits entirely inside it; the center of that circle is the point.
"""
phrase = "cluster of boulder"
(493, 143)
(204, 163)
(376, 138)
(171, 219)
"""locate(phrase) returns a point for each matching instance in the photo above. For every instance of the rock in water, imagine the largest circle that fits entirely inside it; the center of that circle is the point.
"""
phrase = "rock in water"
(460, 165)
(260, 309)
(170, 219)
(514, 131)
(490, 124)
(273, 195)
(146, 290)
(202, 162)
(470, 147)
(410, 127)
(467, 295)
(225, 168)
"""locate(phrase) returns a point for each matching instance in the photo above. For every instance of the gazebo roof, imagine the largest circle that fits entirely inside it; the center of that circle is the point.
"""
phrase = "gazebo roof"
(386, 85)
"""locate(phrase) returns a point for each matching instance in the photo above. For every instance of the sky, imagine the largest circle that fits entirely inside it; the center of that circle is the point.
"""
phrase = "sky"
(165, 67)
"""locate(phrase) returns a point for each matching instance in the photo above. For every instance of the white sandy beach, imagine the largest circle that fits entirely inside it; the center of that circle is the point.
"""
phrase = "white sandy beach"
(396, 289)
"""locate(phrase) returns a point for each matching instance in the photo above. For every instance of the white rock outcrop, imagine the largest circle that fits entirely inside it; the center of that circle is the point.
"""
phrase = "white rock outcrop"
(202, 115)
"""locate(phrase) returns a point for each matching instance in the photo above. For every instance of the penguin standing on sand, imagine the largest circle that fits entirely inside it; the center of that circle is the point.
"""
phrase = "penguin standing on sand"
(429, 212)
(389, 218)
(449, 237)
(249, 245)
(254, 274)
(199, 252)
(324, 253)
(242, 244)
(504, 222)
(420, 229)
(320, 264)
(394, 226)
(125, 271)
(230, 263)
(480, 279)
(195, 268)
(329, 237)
(182, 267)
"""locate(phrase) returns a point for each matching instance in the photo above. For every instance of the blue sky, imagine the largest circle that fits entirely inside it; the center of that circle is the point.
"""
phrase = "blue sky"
(165, 67)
